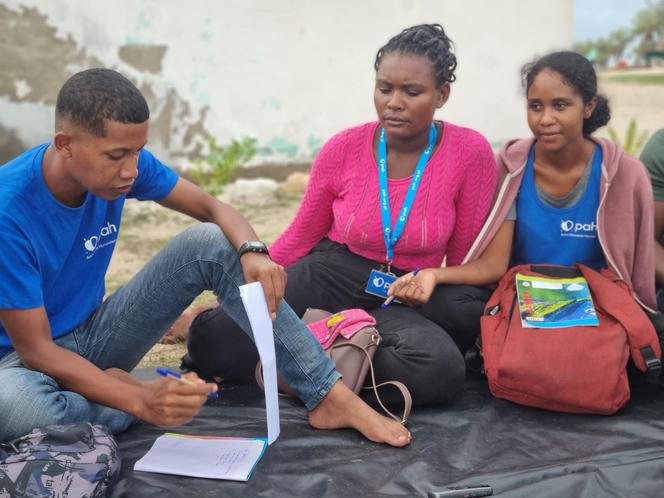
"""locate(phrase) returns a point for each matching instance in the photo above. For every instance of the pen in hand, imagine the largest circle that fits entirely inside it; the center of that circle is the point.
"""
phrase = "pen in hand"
(392, 298)
(165, 372)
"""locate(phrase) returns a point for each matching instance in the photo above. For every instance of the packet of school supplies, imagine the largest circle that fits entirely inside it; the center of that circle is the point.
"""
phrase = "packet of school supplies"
(555, 302)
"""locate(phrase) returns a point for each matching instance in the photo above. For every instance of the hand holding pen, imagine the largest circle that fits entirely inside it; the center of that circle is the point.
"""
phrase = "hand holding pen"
(166, 403)
(165, 372)
(392, 288)
(413, 289)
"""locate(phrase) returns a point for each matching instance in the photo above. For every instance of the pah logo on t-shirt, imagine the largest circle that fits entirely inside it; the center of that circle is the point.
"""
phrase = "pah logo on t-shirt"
(571, 228)
(96, 242)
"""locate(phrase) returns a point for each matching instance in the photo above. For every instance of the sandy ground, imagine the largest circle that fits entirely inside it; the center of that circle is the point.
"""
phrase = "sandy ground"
(147, 226)
(644, 103)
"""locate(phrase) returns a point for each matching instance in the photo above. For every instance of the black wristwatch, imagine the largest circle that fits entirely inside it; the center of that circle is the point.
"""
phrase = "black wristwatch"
(252, 246)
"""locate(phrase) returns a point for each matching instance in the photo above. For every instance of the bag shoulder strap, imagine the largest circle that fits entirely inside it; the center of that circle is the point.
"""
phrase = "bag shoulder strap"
(619, 303)
(407, 398)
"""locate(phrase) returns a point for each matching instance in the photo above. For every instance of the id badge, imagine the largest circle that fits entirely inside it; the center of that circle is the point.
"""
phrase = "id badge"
(379, 282)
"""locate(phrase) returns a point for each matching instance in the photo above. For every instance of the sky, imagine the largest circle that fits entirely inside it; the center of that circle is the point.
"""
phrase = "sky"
(597, 18)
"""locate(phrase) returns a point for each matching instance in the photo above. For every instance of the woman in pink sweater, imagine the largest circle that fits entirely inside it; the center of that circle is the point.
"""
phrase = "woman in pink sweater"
(349, 224)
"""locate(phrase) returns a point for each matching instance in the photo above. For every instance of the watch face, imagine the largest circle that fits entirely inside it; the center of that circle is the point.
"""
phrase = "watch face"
(253, 246)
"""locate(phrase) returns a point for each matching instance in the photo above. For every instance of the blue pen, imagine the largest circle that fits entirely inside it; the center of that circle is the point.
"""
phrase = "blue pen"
(392, 298)
(166, 372)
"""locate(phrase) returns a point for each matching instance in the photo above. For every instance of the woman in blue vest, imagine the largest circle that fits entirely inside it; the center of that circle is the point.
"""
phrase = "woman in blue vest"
(566, 197)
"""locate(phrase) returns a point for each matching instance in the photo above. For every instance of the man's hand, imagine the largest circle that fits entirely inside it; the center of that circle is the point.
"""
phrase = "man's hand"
(168, 403)
(258, 267)
(414, 290)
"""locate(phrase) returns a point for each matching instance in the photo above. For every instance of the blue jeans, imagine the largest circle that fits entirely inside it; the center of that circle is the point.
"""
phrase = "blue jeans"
(127, 324)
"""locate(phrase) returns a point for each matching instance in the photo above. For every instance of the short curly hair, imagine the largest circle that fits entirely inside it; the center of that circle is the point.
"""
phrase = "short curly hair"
(91, 97)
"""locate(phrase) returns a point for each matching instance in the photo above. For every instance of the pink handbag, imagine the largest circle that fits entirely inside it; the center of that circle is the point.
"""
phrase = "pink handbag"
(350, 339)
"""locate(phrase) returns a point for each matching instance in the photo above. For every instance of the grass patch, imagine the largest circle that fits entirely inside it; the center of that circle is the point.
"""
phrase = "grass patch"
(637, 79)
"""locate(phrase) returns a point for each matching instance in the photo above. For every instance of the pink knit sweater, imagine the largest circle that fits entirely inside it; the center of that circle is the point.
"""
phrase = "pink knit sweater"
(341, 201)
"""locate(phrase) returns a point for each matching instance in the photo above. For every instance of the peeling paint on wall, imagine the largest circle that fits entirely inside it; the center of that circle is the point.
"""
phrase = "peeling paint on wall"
(143, 57)
(197, 130)
(35, 61)
(10, 145)
(281, 72)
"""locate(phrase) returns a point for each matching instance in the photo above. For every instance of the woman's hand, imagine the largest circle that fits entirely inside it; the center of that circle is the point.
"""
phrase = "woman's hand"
(414, 290)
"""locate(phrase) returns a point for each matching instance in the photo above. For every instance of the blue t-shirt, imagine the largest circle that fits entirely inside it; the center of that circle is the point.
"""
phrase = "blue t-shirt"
(558, 236)
(57, 256)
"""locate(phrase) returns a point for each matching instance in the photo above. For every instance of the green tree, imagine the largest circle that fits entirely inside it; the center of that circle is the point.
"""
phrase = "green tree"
(598, 51)
(649, 28)
(617, 42)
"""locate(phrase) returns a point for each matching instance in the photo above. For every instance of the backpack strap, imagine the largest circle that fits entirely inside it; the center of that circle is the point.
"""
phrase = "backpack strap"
(18, 444)
(617, 301)
(657, 320)
(473, 357)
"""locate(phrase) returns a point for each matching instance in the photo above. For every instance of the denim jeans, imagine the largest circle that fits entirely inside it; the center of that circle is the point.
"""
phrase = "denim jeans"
(127, 324)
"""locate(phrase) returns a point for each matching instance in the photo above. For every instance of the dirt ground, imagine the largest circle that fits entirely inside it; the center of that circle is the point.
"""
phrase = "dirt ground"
(643, 103)
(147, 226)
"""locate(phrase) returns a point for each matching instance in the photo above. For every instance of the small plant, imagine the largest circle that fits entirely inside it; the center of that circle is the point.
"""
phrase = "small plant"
(634, 139)
(216, 169)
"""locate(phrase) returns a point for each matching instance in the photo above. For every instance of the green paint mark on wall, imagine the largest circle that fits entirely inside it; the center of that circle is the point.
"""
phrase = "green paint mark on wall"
(279, 145)
(314, 144)
(139, 33)
(272, 103)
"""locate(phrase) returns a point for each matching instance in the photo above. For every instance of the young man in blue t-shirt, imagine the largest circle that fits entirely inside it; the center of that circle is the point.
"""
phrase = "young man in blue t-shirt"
(65, 353)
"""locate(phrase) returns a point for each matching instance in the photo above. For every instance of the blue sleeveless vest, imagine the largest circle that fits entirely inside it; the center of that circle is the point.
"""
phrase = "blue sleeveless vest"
(561, 236)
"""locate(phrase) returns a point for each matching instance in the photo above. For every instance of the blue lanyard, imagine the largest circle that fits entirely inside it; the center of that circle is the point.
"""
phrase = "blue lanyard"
(390, 235)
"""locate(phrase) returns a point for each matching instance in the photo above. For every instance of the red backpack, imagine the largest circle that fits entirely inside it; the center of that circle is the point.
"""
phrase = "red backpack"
(573, 369)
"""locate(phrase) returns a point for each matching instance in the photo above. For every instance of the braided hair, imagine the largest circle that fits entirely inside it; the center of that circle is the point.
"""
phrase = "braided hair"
(577, 72)
(426, 40)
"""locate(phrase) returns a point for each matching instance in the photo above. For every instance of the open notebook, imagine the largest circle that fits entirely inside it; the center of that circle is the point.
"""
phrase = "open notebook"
(203, 456)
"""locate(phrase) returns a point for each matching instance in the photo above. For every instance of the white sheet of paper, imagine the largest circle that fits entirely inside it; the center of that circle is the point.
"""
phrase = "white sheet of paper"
(212, 458)
(253, 299)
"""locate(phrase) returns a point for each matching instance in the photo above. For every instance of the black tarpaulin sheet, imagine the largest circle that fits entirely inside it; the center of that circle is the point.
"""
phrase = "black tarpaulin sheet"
(477, 439)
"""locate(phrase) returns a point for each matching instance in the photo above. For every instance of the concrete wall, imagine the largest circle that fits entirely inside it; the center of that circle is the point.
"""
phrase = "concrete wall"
(288, 72)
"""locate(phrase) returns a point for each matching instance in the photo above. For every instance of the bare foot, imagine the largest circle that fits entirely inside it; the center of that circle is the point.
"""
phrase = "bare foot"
(180, 328)
(341, 408)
